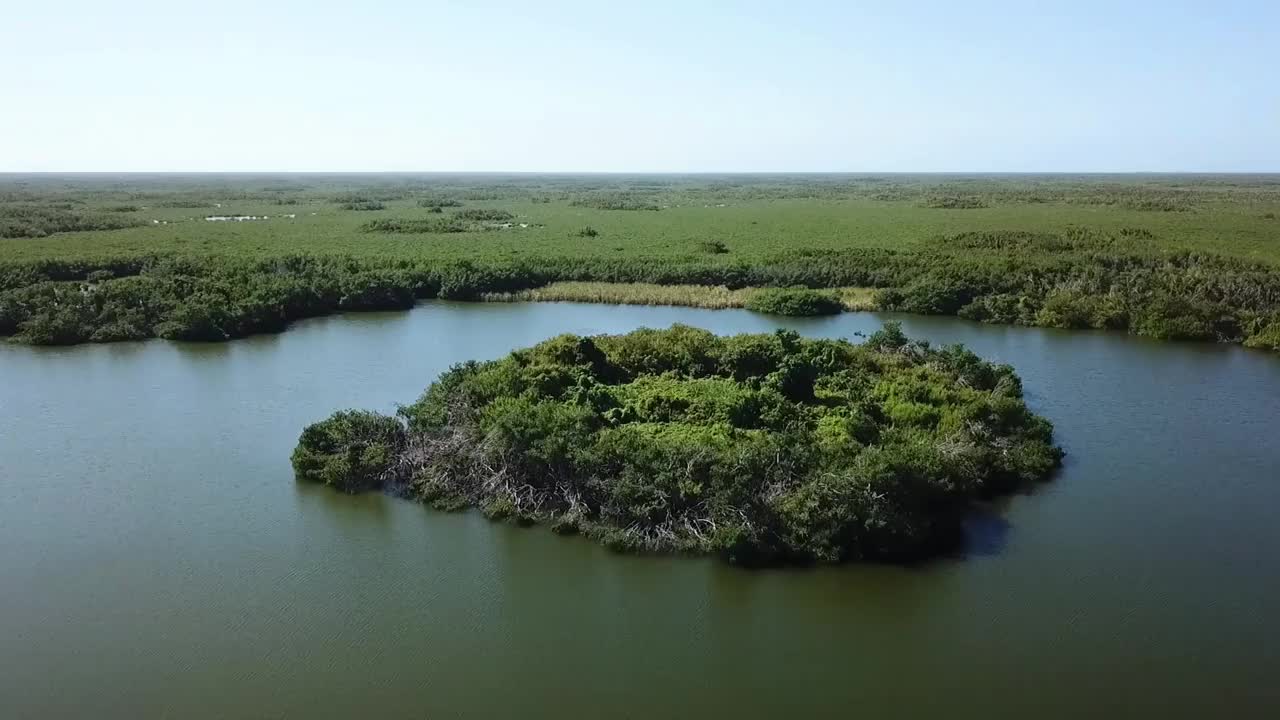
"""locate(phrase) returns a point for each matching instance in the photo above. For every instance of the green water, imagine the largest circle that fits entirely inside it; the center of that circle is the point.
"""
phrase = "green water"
(158, 560)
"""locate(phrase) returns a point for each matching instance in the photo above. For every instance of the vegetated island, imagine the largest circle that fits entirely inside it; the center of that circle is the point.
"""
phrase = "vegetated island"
(763, 449)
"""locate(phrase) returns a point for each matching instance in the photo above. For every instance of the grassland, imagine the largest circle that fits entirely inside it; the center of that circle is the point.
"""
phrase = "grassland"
(1194, 257)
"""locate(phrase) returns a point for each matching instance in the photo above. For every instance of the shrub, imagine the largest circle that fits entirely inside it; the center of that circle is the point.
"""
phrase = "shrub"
(608, 201)
(1268, 338)
(417, 227)
(484, 215)
(31, 221)
(955, 202)
(794, 301)
(364, 205)
(350, 451)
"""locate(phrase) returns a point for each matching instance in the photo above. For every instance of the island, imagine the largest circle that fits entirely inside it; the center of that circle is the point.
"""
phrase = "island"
(761, 448)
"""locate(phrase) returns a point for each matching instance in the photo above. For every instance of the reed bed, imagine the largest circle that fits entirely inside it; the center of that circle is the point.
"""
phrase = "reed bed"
(715, 297)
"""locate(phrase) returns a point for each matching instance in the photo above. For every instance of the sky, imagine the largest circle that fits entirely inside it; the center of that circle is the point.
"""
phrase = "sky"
(654, 86)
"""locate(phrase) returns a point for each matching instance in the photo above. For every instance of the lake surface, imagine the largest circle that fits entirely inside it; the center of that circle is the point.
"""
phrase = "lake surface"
(157, 558)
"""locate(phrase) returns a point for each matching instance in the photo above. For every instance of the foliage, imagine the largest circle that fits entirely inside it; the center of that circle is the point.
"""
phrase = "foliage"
(364, 205)
(428, 225)
(760, 448)
(794, 301)
(1061, 251)
(484, 215)
(32, 221)
(613, 201)
(350, 451)
(955, 202)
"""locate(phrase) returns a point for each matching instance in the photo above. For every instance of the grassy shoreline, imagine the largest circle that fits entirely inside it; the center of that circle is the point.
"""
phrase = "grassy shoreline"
(713, 297)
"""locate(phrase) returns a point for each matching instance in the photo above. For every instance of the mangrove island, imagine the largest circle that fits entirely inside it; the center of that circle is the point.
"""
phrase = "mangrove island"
(761, 448)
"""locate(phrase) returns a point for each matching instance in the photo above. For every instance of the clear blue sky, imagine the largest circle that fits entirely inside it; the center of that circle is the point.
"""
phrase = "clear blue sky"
(929, 85)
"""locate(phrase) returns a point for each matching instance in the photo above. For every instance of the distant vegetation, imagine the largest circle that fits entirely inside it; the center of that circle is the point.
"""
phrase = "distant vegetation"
(33, 221)
(614, 202)
(1177, 257)
(364, 205)
(429, 225)
(438, 202)
(954, 202)
(484, 215)
(763, 449)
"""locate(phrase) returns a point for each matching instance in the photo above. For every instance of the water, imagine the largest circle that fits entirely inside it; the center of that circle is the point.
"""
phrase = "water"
(158, 560)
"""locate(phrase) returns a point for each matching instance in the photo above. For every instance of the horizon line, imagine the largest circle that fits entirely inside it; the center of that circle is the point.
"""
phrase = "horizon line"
(639, 172)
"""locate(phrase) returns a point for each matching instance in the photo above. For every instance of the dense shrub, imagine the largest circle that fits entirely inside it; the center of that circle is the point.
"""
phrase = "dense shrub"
(484, 215)
(608, 201)
(351, 451)
(364, 205)
(19, 221)
(955, 202)
(413, 227)
(794, 301)
(1266, 338)
(760, 448)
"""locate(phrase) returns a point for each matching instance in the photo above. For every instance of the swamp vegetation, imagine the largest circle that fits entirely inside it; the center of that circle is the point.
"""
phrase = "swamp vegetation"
(122, 257)
(764, 449)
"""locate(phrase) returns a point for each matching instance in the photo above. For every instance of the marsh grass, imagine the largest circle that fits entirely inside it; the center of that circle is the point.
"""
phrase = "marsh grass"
(715, 297)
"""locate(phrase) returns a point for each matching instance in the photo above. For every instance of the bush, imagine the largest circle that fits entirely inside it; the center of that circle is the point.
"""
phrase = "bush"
(607, 201)
(351, 451)
(33, 221)
(416, 227)
(364, 205)
(1268, 338)
(794, 301)
(434, 202)
(955, 202)
(484, 215)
